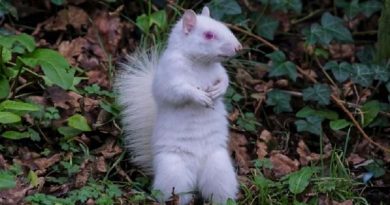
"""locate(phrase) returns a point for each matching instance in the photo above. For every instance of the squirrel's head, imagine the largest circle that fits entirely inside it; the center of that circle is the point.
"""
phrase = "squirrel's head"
(203, 38)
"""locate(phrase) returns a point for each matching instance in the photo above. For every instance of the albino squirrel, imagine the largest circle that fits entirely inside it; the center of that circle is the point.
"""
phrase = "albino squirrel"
(174, 116)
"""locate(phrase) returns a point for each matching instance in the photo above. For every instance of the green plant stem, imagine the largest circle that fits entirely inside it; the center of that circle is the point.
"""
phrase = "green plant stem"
(1, 60)
(19, 66)
(322, 152)
(383, 52)
(311, 14)
(346, 143)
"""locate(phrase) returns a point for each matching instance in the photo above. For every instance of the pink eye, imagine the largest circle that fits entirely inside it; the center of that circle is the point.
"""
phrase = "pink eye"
(209, 35)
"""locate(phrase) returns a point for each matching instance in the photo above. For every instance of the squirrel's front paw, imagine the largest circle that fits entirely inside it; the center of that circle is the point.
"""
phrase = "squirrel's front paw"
(203, 98)
(216, 91)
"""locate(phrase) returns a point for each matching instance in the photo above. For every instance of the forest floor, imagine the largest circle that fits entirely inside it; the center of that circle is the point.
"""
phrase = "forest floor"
(308, 102)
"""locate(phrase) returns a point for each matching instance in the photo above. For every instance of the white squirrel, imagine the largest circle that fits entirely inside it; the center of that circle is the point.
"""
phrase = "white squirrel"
(174, 117)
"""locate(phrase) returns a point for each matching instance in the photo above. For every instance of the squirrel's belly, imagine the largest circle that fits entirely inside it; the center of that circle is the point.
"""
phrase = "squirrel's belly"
(191, 130)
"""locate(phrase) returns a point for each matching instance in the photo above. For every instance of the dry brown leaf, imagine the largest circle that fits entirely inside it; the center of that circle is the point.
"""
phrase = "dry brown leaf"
(266, 136)
(244, 78)
(72, 49)
(238, 143)
(107, 29)
(99, 77)
(43, 163)
(73, 16)
(233, 116)
(282, 165)
(108, 149)
(89, 104)
(261, 150)
(15, 195)
(348, 202)
(355, 159)
(3, 163)
(306, 156)
(83, 175)
(100, 164)
(61, 98)
(340, 51)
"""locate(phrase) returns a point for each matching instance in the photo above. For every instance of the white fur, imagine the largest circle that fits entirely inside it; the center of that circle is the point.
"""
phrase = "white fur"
(180, 118)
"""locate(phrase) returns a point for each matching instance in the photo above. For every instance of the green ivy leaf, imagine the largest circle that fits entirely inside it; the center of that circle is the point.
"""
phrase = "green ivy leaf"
(287, 68)
(319, 93)
(370, 111)
(334, 25)
(284, 5)
(58, 2)
(8, 117)
(311, 124)
(340, 71)
(380, 72)
(298, 181)
(352, 9)
(248, 122)
(324, 113)
(222, 8)
(339, 124)
(19, 106)
(370, 7)
(280, 100)
(376, 168)
(362, 74)
(79, 122)
(277, 57)
(267, 27)
(7, 180)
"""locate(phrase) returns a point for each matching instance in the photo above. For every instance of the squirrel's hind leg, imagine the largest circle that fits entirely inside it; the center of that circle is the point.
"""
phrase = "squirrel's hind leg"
(172, 176)
(218, 180)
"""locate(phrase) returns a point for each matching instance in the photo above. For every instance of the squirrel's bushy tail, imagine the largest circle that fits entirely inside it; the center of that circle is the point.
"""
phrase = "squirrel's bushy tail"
(134, 86)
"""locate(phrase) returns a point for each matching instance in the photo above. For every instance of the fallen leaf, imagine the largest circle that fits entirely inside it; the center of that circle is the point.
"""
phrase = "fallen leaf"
(282, 165)
(43, 163)
(341, 51)
(15, 195)
(355, 159)
(59, 97)
(266, 136)
(99, 77)
(100, 164)
(71, 50)
(261, 150)
(238, 143)
(306, 156)
(107, 29)
(108, 149)
(72, 15)
(83, 175)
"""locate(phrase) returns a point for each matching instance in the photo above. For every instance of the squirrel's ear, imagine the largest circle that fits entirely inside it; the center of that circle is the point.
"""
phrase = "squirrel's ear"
(206, 11)
(189, 21)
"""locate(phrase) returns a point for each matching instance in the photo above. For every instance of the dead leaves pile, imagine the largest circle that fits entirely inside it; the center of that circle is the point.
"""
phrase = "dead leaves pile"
(90, 38)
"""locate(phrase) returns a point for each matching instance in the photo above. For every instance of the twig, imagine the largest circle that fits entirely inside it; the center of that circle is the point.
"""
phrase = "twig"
(349, 114)
(311, 14)
(325, 73)
(234, 27)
